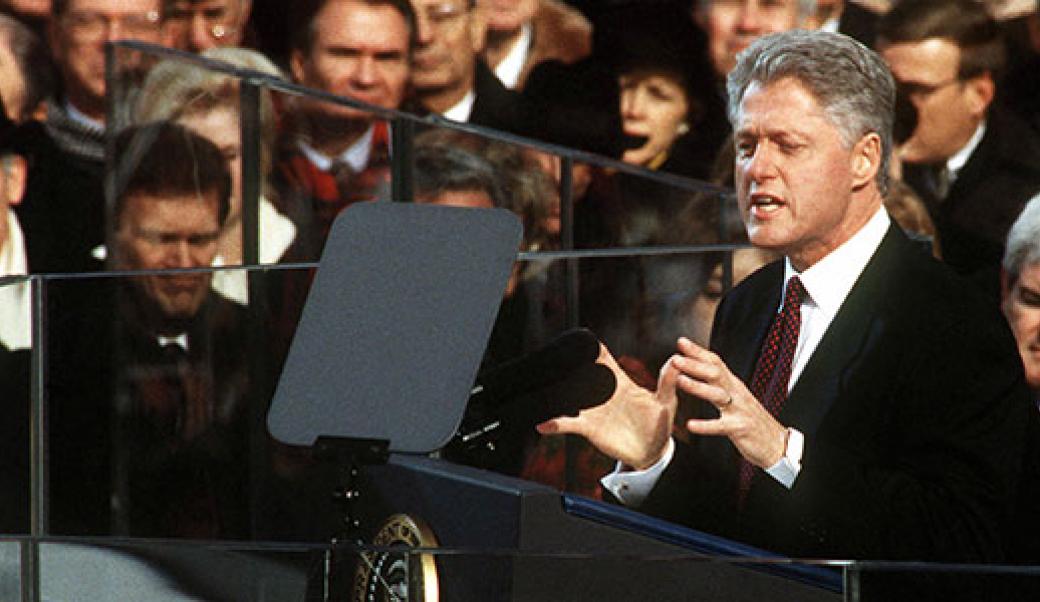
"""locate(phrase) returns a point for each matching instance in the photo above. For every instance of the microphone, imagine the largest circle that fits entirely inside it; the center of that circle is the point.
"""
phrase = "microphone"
(534, 370)
(507, 402)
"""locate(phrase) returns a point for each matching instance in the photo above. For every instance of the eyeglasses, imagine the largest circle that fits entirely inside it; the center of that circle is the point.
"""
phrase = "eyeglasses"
(919, 91)
(89, 26)
(218, 20)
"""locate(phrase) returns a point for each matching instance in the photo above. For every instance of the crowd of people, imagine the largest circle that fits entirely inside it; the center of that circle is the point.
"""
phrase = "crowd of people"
(152, 177)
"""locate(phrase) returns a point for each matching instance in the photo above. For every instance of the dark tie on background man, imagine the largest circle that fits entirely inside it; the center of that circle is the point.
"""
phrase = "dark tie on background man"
(773, 369)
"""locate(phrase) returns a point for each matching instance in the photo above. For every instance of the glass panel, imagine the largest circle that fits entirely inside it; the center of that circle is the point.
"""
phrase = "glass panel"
(11, 569)
(157, 390)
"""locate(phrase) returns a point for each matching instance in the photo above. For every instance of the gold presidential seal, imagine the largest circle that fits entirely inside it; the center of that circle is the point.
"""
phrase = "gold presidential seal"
(389, 576)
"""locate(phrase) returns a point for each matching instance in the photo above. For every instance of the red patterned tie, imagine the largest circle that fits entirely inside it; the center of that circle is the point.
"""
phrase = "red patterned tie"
(773, 370)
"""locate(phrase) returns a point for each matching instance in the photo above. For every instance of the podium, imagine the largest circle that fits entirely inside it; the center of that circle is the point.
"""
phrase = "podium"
(510, 539)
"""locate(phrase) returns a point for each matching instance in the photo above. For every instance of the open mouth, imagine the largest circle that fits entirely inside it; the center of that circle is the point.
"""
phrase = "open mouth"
(763, 204)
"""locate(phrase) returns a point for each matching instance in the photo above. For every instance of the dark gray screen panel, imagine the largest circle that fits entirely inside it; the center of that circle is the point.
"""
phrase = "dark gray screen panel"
(395, 326)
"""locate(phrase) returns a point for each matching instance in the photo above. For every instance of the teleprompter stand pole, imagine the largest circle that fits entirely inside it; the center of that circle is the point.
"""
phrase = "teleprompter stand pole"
(350, 456)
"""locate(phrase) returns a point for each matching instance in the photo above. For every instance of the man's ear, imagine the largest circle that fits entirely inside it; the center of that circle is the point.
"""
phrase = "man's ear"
(866, 160)
(16, 172)
(981, 90)
(296, 63)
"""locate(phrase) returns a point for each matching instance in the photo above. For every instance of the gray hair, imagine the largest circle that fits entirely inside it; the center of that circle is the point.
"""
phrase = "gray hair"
(1023, 241)
(850, 81)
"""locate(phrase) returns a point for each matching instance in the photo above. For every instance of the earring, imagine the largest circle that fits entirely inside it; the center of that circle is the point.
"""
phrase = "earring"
(683, 129)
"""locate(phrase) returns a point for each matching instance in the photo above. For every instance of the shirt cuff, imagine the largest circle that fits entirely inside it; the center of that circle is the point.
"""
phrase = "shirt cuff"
(786, 470)
(632, 486)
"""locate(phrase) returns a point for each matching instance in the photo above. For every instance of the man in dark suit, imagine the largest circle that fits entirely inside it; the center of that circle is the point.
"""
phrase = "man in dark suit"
(448, 76)
(884, 408)
(147, 375)
(973, 162)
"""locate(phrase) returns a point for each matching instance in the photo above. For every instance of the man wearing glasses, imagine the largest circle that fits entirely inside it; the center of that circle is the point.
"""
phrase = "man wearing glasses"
(449, 78)
(197, 25)
(972, 162)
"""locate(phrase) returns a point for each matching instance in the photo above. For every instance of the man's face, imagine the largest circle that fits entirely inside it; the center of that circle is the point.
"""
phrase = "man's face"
(78, 41)
(733, 24)
(450, 36)
(360, 51)
(197, 25)
(1022, 308)
(794, 173)
(12, 84)
(948, 109)
(508, 15)
(176, 231)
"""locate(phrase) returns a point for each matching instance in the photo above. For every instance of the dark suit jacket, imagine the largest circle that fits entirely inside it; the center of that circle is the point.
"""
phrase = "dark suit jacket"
(63, 212)
(497, 106)
(122, 461)
(913, 408)
(973, 221)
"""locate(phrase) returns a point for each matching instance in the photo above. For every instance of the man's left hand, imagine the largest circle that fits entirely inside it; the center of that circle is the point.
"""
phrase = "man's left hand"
(753, 430)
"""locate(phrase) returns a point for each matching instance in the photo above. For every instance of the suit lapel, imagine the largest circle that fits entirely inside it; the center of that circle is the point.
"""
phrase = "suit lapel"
(856, 329)
(743, 326)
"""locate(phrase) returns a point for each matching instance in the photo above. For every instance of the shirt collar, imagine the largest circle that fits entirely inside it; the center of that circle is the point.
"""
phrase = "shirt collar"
(81, 118)
(510, 67)
(829, 280)
(180, 340)
(462, 109)
(956, 163)
(356, 155)
(12, 253)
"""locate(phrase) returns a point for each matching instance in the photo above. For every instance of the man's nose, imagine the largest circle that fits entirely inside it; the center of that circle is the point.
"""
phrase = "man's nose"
(761, 164)
(179, 255)
(750, 18)
(423, 28)
(365, 71)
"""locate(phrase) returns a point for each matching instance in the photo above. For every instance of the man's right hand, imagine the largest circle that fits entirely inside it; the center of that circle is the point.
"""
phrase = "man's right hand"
(633, 426)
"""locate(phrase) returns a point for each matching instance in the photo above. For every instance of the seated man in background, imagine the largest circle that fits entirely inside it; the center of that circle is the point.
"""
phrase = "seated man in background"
(148, 373)
(335, 155)
(972, 162)
(448, 76)
(64, 208)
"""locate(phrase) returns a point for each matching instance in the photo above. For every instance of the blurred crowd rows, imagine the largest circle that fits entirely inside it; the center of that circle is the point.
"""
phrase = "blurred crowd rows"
(151, 176)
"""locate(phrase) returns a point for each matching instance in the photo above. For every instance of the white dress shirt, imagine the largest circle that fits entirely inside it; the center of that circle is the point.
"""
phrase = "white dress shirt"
(827, 282)
(15, 298)
(462, 109)
(509, 69)
(356, 155)
(956, 163)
